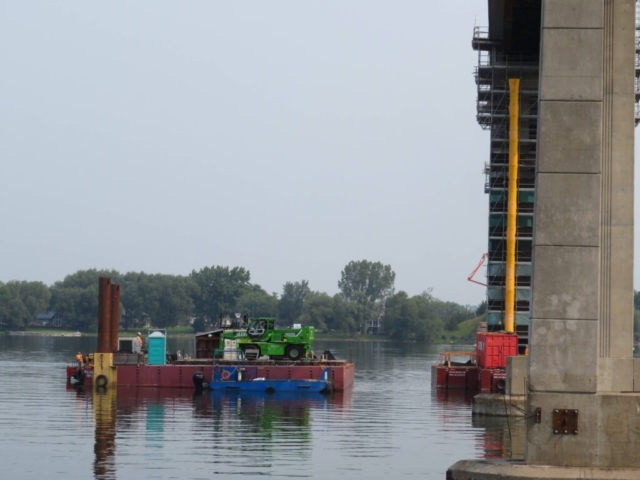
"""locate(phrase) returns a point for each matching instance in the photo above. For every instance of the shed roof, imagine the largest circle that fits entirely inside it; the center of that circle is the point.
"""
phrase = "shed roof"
(210, 332)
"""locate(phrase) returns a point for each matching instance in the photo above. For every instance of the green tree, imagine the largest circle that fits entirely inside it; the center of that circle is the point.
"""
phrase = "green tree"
(133, 314)
(451, 313)
(367, 285)
(482, 308)
(220, 288)
(65, 301)
(75, 298)
(256, 302)
(400, 317)
(344, 316)
(35, 296)
(89, 278)
(411, 318)
(20, 302)
(157, 299)
(199, 325)
(168, 299)
(292, 300)
(317, 310)
(430, 328)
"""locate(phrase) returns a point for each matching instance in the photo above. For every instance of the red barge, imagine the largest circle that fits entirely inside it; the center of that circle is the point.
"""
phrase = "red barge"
(180, 375)
(109, 366)
(485, 369)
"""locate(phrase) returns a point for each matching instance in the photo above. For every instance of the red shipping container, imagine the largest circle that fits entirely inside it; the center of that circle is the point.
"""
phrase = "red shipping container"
(492, 349)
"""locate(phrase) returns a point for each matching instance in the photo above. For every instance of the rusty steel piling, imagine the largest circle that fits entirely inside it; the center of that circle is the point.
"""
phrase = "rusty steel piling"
(115, 316)
(104, 315)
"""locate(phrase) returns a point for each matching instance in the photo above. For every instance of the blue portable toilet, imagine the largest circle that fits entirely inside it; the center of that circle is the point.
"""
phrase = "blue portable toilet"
(157, 349)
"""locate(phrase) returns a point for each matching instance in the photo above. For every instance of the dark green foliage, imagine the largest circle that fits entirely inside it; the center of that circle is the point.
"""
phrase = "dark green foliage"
(318, 309)
(20, 302)
(75, 299)
(152, 299)
(412, 318)
(466, 332)
(367, 285)
(373, 280)
(168, 299)
(452, 314)
(482, 308)
(198, 325)
(256, 302)
(292, 301)
(133, 313)
(366, 293)
(220, 289)
(344, 316)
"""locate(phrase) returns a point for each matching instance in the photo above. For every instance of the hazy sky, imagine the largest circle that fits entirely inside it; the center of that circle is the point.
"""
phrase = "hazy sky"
(285, 137)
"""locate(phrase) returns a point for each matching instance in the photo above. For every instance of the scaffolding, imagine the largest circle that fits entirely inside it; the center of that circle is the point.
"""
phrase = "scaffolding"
(492, 75)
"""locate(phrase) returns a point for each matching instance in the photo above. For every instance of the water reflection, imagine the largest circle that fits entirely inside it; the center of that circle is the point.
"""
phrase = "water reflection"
(453, 406)
(104, 411)
(452, 399)
(236, 433)
(501, 438)
(248, 431)
(390, 425)
(496, 438)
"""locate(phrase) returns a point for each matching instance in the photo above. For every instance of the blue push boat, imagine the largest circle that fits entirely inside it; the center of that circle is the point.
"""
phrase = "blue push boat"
(238, 378)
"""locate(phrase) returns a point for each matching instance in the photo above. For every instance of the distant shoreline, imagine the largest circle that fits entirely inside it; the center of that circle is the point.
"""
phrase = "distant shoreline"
(321, 337)
(45, 334)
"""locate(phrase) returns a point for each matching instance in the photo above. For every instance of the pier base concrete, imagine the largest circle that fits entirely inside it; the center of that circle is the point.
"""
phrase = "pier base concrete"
(512, 403)
(499, 405)
(516, 375)
(490, 470)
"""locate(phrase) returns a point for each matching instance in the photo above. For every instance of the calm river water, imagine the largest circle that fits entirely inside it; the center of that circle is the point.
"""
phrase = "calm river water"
(390, 425)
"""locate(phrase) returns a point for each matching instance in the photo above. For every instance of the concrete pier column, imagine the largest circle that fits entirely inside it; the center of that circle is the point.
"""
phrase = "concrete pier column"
(582, 396)
(581, 338)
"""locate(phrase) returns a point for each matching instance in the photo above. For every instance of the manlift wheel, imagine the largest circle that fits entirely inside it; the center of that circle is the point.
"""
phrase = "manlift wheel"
(295, 352)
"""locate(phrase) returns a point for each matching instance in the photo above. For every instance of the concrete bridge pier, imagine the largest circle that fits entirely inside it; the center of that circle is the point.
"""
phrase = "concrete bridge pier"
(583, 398)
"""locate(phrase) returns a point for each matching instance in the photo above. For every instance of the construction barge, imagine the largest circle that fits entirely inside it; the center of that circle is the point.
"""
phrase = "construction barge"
(482, 370)
(181, 374)
(115, 366)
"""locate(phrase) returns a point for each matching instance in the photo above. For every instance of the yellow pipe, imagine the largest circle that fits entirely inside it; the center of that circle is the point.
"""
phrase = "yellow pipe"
(512, 206)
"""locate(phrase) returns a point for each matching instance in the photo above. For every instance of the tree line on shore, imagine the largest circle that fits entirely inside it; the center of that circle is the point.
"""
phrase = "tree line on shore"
(366, 294)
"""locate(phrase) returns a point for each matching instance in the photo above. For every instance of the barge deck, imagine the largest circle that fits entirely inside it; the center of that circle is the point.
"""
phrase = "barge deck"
(180, 374)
